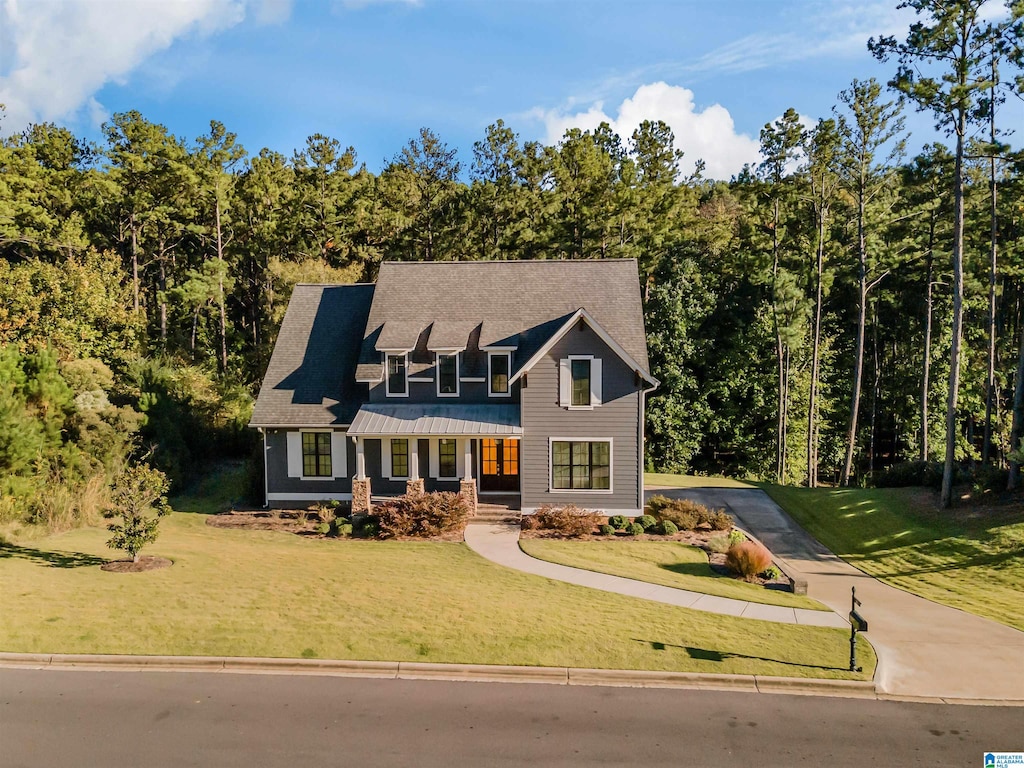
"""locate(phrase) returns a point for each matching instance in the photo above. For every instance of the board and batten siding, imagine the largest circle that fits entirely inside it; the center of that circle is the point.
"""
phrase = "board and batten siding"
(617, 419)
(281, 484)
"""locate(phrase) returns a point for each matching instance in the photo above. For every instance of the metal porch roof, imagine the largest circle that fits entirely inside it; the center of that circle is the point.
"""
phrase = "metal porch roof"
(378, 420)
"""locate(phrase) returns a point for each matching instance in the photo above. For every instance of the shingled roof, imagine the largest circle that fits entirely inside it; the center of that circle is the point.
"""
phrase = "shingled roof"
(310, 380)
(522, 301)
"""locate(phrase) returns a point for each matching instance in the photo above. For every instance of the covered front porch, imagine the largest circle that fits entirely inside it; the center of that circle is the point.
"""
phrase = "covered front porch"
(470, 449)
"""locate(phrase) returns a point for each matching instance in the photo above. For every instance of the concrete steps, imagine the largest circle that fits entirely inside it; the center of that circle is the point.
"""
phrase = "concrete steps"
(495, 513)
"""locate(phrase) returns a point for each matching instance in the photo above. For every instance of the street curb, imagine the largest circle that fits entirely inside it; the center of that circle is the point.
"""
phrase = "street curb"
(652, 679)
(813, 687)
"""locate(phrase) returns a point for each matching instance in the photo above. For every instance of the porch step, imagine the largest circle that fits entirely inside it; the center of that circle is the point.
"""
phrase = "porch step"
(495, 513)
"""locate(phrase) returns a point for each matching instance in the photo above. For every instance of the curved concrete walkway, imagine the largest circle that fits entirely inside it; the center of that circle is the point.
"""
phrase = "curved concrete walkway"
(924, 649)
(499, 543)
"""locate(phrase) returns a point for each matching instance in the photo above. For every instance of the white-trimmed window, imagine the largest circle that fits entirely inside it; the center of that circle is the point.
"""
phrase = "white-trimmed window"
(447, 458)
(581, 465)
(399, 458)
(396, 371)
(317, 454)
(447, 374)
(579, 382)
(499, 368)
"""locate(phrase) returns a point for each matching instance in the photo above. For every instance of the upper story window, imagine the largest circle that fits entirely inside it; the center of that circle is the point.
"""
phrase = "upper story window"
(579, 382)
(447, 375)
(397, 378)
(498, 365)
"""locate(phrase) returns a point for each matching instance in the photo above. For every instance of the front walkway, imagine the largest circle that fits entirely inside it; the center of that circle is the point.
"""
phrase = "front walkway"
(499, 543)
(924, 649)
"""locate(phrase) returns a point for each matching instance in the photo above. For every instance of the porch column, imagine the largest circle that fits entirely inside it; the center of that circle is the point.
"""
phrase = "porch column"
(360, 459)
(414, 485)
(467, 463)
(467, 485)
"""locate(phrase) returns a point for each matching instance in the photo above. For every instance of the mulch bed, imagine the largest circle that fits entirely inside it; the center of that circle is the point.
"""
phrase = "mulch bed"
(145, 563)
(301, 522)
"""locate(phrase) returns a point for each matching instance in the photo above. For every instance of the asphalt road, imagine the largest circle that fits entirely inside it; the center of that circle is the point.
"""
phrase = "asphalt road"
(155, 719)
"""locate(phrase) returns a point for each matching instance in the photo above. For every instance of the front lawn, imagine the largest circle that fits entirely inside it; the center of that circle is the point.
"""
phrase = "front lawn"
(265, 593)
(654, 479)
(670, 563)
(967, 558)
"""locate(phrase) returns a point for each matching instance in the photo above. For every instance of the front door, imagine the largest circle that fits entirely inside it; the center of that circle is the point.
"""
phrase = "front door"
(499, 465)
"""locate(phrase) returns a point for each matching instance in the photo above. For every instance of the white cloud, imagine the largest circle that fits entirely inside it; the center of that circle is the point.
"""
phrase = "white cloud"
(707, 134)
(271, 11)
(61, 52)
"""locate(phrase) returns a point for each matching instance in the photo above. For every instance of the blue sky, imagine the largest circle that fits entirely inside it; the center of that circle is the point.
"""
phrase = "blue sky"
(372, 72)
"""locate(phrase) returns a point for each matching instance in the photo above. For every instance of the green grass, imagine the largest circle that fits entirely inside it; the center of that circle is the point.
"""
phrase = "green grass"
(653, 479)
(669, 563)
(969, 560)
(233, 592)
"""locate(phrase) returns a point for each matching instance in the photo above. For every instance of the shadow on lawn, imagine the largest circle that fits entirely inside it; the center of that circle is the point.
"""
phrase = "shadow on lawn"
(705, 654)
(46, 557)
(689, 569)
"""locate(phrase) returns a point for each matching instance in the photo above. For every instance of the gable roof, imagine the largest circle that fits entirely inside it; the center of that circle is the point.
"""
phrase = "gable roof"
(514, 303)
(311, 377)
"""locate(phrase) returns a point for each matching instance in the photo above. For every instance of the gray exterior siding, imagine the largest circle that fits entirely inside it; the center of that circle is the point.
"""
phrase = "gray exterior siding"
(472, 365)
(617, 419)
(278, 480)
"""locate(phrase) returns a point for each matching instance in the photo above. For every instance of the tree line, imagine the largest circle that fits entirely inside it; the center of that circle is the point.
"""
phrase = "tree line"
(829, 312)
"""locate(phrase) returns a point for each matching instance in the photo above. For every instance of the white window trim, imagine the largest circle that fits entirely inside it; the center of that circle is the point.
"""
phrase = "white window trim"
(508, 384)
(331, 476)
(387, 375)
(437, 368)
(590, 378)
(611, 465)
(385, 458)
(437, 443)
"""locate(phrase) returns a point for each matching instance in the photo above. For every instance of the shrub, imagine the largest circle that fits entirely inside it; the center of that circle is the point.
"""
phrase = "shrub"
(421, 514)
(667, 528)
(618, 522)
(326, 511)
(719, 544)
(569, 520)
(771, 573)
(323, 528)
(909, 473)
(736, 537)
(748, 559)
(647, 521)
(139, 498)
(686, 514)
(607, 530)
(720, 520)
(530, 523)
(365, 526)
(634, 529)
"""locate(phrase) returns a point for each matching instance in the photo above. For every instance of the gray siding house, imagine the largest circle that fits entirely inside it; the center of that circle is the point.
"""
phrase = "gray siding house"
(523, 381)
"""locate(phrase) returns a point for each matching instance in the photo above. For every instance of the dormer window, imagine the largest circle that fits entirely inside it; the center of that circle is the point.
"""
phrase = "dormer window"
(447, 374)
(580, 382)
(397, 379)
(498, 365)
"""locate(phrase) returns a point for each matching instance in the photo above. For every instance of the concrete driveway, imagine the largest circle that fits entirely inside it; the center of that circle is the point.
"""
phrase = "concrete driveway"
(924, 649)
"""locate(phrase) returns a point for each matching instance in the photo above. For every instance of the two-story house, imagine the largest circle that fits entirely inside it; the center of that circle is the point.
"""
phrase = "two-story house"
(524, 380)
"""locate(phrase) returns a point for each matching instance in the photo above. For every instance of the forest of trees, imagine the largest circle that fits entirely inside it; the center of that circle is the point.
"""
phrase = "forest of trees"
(837, 309)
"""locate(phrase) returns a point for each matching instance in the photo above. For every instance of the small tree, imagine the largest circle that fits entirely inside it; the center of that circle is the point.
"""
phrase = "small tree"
(139, 497)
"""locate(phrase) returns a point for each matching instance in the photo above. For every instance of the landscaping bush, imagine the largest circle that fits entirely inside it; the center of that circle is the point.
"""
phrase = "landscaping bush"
(569, 520)
(421, 514)
(618, 522)
(634, 529)
(667, 528)
(719, 544)
(607, 530)
(657, 503)
(647, 521)
(364, 526)
(909, 473)
(736, 537)
(686, 514)
(748, 559)
(720, 520)
(771, 573)
(530, 523)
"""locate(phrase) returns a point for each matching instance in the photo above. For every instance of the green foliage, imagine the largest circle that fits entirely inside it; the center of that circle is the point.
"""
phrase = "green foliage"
(736, 537)
(909, 473)
(139, 499)
(647, 521)
(606, 530)
(618, 522)
(667, 528)
(748, 559)
(634, 529)
(720, 520)
(569, 520)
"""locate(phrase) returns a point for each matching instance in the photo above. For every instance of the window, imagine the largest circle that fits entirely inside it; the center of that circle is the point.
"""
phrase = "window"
(498, 373)
(398, 383)
(580, 465)
(448, 375)
(400, 458)
(446, 458)
(316, 454)
(580, 382)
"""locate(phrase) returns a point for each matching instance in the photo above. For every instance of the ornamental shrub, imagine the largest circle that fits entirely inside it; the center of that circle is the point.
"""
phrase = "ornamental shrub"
(647, 521)
(667, 528)
(736, 537)
(569, 520)
(607, 530)
(720, 520)
(634, 529)
(422, 515)
(771, 573)
(139, 498)
(618, 522)
(719, 544)
(686, 514)
(748, 559)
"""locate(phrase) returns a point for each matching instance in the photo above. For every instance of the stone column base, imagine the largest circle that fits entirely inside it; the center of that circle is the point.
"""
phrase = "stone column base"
(414, 487)
(467, 490)
(361, 496)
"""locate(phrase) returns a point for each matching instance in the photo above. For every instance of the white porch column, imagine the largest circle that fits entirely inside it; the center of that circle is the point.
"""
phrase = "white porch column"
(414, 458)
(468, 459)
(360, 459)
